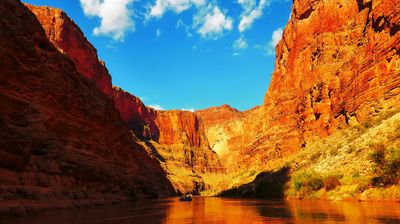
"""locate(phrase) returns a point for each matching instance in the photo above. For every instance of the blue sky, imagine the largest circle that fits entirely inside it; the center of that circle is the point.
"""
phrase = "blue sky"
(184, 54)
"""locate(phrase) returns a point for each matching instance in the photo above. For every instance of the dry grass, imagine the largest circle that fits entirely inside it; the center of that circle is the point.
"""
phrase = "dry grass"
(340, 166)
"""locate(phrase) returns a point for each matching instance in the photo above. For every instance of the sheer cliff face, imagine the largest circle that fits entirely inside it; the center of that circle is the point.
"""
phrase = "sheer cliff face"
(140, 118)
(337, 63)
(60, 136)
(177, 138)
(182, 130)
(230, 131)
(69, 39)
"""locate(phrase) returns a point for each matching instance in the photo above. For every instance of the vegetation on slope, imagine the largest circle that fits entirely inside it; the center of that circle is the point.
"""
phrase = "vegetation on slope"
(360, 162)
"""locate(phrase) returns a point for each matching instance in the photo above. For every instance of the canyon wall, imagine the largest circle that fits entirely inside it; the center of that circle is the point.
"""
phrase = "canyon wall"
(338, 64)
(60, 136)
(70, 40)
(229, 131)
(176, 138)
(184, 149)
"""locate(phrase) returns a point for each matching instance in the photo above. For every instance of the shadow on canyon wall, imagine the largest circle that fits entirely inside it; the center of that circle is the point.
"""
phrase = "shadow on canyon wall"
(269, 185)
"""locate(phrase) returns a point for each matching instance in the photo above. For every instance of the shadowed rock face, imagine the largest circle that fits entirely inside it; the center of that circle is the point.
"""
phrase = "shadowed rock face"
(60, 137)
(69, 39)
(169, 131)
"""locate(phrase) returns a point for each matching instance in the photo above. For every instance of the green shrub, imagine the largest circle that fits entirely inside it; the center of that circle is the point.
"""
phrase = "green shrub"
(378, 154)
(387, 165)
(307, 181)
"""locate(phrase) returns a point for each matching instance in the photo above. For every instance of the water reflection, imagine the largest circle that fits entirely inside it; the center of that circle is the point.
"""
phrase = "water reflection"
(217, 210)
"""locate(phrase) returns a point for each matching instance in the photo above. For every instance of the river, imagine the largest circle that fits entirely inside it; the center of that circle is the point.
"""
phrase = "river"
(222, 210)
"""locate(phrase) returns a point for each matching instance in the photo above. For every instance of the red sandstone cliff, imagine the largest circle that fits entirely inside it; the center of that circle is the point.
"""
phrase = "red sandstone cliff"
(60, 137)
(230, 131)
(177, 136)
(337, 63)
(184, 128)
(69, 39)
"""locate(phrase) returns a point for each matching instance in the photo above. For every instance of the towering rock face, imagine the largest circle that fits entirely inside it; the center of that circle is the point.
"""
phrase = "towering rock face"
(338, 63)
(69, 39)
(185, 151)
(140, 118)
(60, 137)
(176, 138)
(230, 131)
(183, 130)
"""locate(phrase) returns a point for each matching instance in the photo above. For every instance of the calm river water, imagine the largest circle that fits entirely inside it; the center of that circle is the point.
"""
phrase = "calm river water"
(219, 210)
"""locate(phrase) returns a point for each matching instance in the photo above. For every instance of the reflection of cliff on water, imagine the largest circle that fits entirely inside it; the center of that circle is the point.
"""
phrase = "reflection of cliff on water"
(223, 210)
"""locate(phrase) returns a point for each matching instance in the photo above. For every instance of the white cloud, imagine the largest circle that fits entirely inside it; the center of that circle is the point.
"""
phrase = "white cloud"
(114, 15)
(158, 33)
(187, 28)
(190, 110)
(247, 5)
(180, 24)
(251, 12)
(156, 107)
(276, 37)
(212, 22)
(161, 6)
(240, 44)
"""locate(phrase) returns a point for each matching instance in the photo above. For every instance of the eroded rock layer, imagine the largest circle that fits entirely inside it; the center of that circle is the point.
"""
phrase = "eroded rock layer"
(176, 138)
(60, 137)
(70, 40)
(338, 63)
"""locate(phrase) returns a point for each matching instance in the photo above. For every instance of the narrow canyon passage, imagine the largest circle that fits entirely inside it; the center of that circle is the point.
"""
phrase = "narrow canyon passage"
(328, 128)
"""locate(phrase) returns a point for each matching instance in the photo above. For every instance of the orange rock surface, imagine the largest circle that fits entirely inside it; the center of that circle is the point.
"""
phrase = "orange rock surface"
(338, 62)
(69, 39)
(176, 132)
(60, 136)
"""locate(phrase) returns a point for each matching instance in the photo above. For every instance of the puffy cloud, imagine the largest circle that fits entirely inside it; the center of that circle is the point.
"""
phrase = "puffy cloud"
(240, 44)
(276, 37)
(161, 6)
(156, 107)
(115, 17)
(212, 22)
(251, 12)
